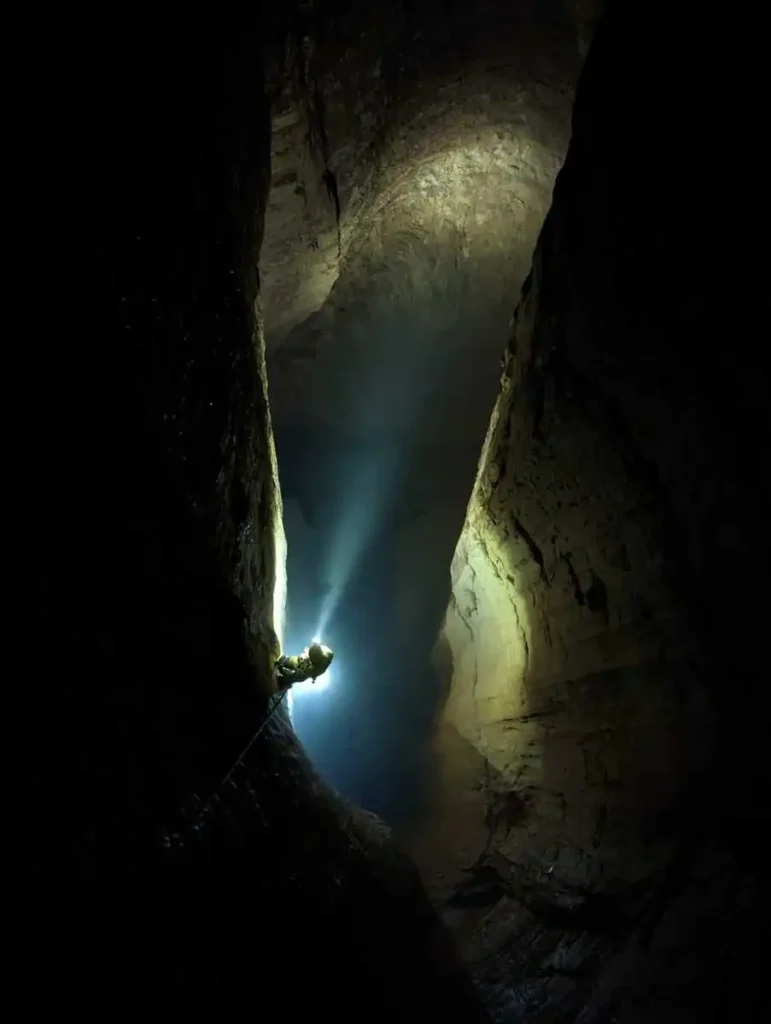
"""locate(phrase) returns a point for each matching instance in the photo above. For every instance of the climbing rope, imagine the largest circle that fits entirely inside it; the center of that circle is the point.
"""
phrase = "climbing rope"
(251, 742)
(175, 839)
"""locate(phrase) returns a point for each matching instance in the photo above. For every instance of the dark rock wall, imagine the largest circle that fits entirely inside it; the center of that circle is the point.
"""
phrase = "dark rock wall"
(605, 645)
(156, 507)
(159, 470)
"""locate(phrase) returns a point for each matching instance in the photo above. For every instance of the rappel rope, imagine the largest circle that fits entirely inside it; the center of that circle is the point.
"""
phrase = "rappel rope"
(251, 742)
(200, 813)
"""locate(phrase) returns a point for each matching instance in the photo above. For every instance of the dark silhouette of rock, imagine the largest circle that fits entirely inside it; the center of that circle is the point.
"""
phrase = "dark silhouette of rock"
(155, 888)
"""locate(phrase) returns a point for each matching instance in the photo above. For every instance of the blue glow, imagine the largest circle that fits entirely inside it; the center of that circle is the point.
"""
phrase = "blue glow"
(322, 683)
(307, 690)
(358, 521)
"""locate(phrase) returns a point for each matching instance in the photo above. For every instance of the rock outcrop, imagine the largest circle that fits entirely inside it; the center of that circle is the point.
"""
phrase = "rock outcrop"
(155, 888)
(603, 643)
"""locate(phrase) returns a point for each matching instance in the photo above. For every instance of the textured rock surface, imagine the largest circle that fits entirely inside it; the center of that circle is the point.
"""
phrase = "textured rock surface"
(389, 121)
(154, 604)
(604, 640)
(606, 633)
(444, 125)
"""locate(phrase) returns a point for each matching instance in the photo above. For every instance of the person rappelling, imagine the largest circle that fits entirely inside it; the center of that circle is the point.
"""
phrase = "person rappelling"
(310, 663)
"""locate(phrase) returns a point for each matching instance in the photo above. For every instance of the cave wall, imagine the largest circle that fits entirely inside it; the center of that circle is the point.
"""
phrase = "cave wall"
(603, 647)
(161, 479)
(386, 121)
(442, 127)
(155, 497)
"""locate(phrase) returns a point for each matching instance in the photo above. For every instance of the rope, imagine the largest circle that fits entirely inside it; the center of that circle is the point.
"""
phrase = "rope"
(250, 744)
(239, 760)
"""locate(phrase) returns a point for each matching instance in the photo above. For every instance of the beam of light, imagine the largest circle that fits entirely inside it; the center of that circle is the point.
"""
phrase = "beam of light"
(368, 495)
(448, 200)
(387, 370)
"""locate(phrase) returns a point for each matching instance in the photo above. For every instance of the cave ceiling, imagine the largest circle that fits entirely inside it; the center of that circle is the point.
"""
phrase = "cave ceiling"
(414, 149)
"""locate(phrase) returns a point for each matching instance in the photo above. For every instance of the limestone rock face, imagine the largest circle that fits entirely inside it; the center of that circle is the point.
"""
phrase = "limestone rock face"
(601, 636)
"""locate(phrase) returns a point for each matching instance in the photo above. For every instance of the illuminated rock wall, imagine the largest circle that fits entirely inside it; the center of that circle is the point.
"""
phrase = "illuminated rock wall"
(602, 637)
(444, 128)
(399, 128)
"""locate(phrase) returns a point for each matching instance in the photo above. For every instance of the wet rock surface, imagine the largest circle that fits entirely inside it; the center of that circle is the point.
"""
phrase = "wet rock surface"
(598, 672)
